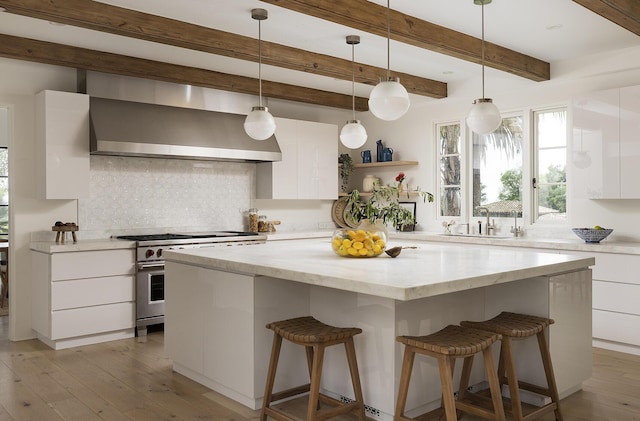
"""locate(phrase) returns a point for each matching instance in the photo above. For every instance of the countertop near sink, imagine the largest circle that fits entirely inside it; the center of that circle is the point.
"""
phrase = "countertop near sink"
(562, 244)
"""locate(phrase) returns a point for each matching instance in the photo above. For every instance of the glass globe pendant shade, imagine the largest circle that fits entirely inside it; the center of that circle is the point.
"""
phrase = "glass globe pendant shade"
(260, 124)
(484, 117)
(389, 100)
(353, 134)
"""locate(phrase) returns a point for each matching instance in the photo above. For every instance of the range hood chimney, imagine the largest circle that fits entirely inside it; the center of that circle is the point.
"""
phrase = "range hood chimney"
(142, 117)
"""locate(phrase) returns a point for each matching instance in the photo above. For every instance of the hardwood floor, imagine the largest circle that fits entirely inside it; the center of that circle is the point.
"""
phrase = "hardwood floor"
(131, 380)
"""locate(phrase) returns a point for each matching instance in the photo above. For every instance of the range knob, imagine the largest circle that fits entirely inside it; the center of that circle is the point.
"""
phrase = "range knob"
(149, 253)
(159, 253)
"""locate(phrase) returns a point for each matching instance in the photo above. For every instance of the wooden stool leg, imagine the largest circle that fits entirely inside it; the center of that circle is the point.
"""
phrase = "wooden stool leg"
(355, 376)
(512, 377)
(309, 352)
(446, 374)
(494, 385)
(271, 375)
(464, 378)
(548, 372)
(316, 374)
(405, 379)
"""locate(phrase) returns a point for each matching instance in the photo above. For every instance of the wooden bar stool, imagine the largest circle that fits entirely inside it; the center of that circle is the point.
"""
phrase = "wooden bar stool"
(446, 345)
(315, 336)
(519, 326)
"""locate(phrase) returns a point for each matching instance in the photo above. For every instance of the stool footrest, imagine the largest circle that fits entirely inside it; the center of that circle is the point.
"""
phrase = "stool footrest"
(294, 391)
(544, 391)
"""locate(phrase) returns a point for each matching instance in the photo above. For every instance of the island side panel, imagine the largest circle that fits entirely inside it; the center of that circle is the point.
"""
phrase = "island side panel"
(215, 329)
(570, 338)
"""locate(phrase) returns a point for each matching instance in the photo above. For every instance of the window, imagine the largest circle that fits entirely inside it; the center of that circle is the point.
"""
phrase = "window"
(450, 169)
(4, 191)
(497, 170)
(549, 195)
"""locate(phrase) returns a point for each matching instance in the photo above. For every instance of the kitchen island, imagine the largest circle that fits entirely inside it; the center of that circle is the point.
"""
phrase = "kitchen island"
(218, 302)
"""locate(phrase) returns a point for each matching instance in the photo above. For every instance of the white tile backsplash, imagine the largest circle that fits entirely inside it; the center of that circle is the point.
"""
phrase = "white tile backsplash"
(144, 194)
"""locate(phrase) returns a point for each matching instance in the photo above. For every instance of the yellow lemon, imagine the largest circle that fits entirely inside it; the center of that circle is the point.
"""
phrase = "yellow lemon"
(351, 233)
(357, 245)
(343, 251)
(377, 249)
(346, 243)
(352, 251)
(360, 236)
(375, 237)
(363, 252)
(336, 243)
(368, 244)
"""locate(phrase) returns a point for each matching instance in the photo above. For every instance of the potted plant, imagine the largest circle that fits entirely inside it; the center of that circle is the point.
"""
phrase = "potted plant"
(346, 168)
(384, 204)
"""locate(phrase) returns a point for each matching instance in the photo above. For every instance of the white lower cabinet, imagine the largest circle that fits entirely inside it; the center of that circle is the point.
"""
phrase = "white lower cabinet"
(79, 298)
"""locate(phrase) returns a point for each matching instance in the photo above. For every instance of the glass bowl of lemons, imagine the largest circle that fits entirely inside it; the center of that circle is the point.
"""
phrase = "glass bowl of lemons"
(358, 242)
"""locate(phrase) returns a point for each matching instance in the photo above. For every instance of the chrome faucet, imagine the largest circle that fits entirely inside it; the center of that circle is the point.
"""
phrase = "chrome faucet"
(488, 225)
(515, 229)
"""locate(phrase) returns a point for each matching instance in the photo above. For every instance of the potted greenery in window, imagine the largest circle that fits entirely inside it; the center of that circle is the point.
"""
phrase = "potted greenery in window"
(384, 204)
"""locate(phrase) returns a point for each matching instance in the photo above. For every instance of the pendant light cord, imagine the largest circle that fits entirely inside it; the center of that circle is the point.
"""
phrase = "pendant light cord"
(482, 58)
(388, 41)
(260, 61)
(353, 82)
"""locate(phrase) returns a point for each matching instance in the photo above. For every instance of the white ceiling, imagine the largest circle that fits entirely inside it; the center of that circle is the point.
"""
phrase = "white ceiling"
(550, 30)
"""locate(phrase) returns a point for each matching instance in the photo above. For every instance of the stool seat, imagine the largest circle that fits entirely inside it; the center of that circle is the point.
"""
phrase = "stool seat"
(307, 330)
(446, 345)
(453, 340)
(315, 336)
(516, 326)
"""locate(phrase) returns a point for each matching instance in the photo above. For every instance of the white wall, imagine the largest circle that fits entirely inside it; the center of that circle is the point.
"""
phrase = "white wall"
(19, 82)
(411, 137)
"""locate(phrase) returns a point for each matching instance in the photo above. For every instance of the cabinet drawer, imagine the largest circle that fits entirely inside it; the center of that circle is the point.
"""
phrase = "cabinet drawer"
(614, 296)
(618, 327)
(90, 292)
(92, 320)
(617, 268)
(92, 264)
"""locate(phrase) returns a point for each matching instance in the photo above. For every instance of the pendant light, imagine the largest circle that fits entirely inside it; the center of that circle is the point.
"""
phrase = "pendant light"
(484, 117)
(353, 134)
(389, 100)
(259, 124)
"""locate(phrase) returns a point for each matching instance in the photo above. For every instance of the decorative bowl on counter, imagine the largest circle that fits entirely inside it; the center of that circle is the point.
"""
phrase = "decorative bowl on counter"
(592, 235)
(368, 240)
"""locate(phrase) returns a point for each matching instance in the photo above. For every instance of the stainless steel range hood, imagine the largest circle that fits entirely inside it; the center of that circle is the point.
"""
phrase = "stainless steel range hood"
(128, 128)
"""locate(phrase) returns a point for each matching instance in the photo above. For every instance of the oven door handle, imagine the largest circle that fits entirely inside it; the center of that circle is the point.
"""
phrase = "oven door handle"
(144, 266)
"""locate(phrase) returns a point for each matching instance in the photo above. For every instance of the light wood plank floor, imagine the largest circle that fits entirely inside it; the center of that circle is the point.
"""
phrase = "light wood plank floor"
(131, 380)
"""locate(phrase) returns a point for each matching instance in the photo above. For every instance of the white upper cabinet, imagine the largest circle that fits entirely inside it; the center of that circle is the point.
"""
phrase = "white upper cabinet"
(62, 145)
(308, 166)
(605, 157)
(630, 142)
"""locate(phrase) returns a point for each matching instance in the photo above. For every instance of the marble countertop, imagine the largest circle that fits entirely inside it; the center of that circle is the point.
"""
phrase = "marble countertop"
(560, 245)
(82, 245)
(430, 269)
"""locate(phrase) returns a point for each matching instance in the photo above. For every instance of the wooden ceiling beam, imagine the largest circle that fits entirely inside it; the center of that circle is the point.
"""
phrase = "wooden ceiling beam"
(625, 13)
(81, 58)
(116, 20)
(367, 16)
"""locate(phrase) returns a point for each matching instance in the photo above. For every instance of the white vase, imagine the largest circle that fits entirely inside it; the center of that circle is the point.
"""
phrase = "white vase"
(369, 182)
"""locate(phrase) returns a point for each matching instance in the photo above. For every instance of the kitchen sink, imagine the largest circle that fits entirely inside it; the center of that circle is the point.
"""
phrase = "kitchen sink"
(492, 237)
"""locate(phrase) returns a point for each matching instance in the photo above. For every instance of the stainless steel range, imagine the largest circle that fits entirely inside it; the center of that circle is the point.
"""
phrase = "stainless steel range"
(150, 266)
